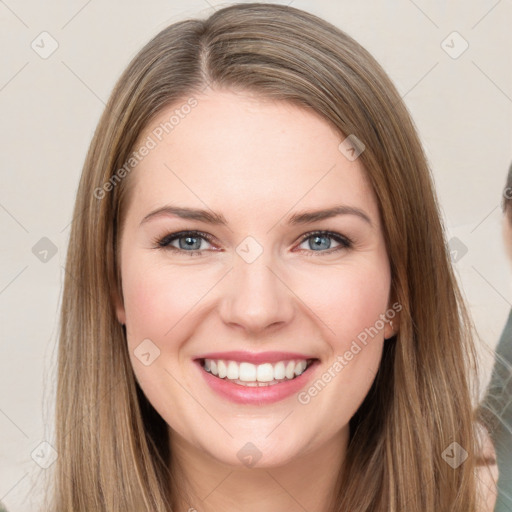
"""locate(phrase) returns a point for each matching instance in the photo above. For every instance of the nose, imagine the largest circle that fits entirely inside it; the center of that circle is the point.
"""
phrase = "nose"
(256, 298)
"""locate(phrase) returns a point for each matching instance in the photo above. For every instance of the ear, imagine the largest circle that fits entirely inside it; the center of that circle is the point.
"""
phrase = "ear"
(392, 325)
(117, 300)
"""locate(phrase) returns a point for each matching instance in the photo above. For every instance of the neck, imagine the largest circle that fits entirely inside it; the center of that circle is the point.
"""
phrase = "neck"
(208, 485)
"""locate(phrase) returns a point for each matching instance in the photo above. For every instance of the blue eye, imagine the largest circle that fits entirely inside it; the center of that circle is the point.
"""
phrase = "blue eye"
(189, 242)
(186, 240)
(321, 240)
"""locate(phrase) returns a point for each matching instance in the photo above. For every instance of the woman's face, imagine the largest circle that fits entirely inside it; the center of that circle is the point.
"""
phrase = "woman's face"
(265, 294)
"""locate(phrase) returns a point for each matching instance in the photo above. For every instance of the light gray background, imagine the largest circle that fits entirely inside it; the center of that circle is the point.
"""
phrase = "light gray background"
(50, 106)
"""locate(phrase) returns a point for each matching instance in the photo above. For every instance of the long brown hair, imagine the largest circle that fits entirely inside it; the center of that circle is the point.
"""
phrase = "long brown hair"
(113, 447)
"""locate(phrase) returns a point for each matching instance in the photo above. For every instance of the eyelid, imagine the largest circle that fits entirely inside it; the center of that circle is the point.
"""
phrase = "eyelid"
(181, 234)
(336, 236)
(344, 241)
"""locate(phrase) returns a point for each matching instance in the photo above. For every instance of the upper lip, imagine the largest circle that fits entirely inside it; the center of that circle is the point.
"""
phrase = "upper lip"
(255, 358)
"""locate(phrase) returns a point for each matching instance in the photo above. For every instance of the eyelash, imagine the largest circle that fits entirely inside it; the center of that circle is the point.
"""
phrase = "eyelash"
(164, 243)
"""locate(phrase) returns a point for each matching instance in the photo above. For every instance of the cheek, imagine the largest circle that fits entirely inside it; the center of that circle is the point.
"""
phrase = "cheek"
(157, 299)
(349, 299)
(354, 340)
(167, 304)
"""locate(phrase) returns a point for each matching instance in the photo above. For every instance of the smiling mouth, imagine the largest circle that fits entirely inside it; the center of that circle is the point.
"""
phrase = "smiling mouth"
(252, 375)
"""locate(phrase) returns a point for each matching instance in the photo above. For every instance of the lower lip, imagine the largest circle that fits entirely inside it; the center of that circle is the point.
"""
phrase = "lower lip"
(257, 395)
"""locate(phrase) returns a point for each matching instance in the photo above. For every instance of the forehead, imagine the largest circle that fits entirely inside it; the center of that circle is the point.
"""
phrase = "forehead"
(234, 151)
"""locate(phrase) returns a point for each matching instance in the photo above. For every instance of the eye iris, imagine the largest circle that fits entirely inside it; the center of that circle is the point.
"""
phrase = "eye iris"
(188, 244)
(320, 241)
(317, 245)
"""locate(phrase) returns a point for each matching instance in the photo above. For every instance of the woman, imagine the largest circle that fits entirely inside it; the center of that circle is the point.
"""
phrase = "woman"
(256, 369)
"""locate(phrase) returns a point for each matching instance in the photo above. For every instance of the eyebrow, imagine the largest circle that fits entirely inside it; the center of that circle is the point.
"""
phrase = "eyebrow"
(211, 217)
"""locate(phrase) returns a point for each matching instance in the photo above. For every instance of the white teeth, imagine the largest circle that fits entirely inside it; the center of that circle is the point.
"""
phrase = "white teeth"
(290, 370)
(247, 372)
(222, 369)
(254, 374)
(233, 372)
(300, 367)
(265, 373)
(279, 371)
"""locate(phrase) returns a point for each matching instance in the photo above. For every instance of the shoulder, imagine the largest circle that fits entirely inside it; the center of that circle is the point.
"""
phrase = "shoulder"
(486, 472)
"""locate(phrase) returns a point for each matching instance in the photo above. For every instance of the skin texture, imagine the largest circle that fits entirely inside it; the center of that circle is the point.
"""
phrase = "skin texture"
(257, 162)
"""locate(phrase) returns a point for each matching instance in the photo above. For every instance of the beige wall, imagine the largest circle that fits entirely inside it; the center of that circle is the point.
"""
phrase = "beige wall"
(462, 107)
